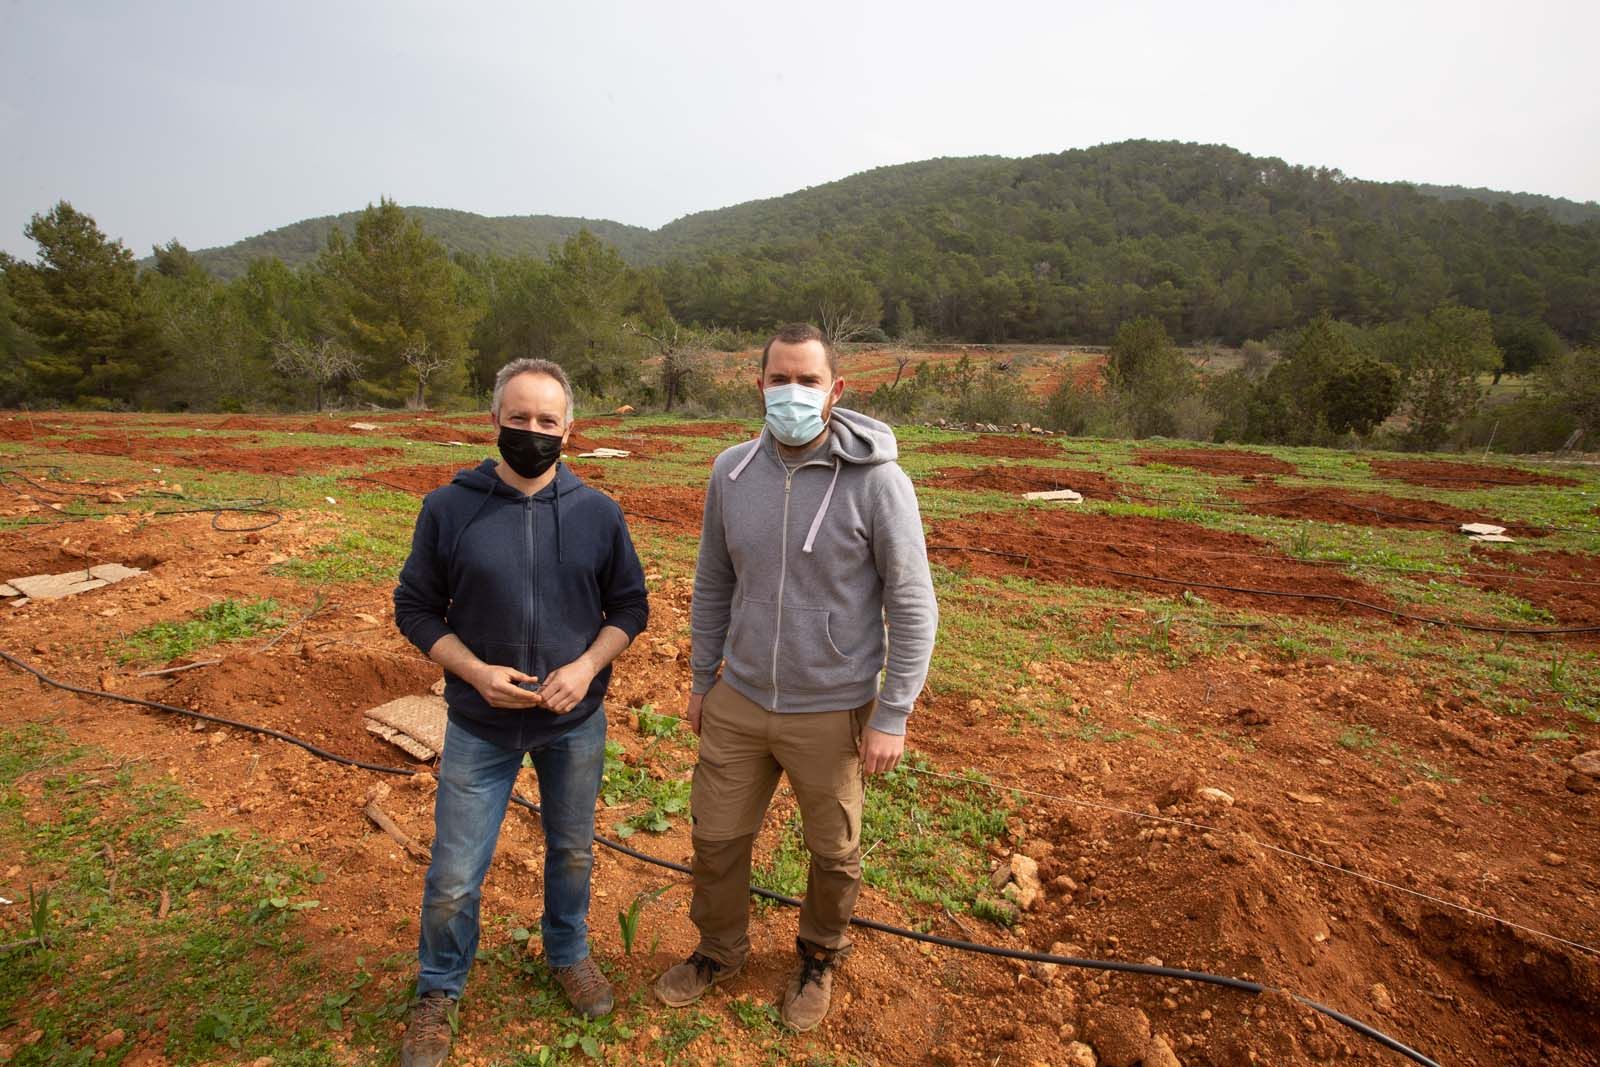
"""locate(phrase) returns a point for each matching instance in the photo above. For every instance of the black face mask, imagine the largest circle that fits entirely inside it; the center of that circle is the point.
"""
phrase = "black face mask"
(527, 452)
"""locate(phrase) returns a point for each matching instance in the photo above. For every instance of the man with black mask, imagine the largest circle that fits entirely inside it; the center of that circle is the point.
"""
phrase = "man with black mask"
(523, 585)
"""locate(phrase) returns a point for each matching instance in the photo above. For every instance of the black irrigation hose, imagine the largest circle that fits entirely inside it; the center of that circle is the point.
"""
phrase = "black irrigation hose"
(1332, 598)
(1179, 974)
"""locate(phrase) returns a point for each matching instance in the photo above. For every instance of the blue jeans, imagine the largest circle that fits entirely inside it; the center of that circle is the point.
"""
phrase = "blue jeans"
(475, 783)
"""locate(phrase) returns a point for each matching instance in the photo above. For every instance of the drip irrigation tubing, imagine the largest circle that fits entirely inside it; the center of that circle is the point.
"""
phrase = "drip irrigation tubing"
(1331, 598)
(216, 508)
(980, 948)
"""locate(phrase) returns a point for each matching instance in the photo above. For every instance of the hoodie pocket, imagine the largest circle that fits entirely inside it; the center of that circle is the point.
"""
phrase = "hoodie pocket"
(808, 659)
(752, 629)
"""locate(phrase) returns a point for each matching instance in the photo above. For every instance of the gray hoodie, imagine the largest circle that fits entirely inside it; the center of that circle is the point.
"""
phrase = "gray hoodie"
(799, 573)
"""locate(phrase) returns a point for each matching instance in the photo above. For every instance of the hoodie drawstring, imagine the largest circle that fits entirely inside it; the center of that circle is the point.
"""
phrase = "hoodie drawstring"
(555, 505)
(748, 456)
(827, 498)
(456, 544)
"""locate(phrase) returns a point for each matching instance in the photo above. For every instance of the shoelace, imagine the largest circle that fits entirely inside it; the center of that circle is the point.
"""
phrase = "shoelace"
(586, 978)
(812, 968)
(432, 1018)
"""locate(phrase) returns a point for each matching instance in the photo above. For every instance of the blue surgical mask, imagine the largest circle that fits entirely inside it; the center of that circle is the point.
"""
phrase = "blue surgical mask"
(794, 413)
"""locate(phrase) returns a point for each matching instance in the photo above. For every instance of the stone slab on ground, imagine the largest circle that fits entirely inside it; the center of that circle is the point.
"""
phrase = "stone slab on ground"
(415, 724)
(54, 586)
(1071, 496)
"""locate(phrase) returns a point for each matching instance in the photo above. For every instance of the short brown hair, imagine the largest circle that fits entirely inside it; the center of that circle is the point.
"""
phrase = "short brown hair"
(529, 366)
(798, 333)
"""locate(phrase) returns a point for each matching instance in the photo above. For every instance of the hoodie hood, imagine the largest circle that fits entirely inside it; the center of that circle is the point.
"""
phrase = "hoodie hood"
(860, 439)
(853, 438)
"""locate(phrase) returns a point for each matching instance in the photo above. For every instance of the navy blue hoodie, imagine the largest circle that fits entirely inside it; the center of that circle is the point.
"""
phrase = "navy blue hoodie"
(524, 582)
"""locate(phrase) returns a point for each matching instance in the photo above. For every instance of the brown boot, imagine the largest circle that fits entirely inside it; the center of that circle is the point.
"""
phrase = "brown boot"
(682, 984)
(428, 1031)
(805, 1002)
(586, 988)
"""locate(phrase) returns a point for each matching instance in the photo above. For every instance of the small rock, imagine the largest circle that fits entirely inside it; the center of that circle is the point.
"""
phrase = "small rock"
(1555, 859)
(1587, 763)
(111, 1040)
(1582, 784)
(1043, 972)
(1214, 795)
(1381, 998)
(1307, 798)
(112, 497)
(1024, 890)
(1120, 1036)
(1159, 1054)
(1077, 1054)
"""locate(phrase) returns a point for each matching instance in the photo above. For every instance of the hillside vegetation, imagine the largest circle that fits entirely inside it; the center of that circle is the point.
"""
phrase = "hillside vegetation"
(1360, 310)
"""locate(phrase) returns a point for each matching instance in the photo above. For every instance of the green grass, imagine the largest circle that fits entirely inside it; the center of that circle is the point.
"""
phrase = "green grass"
(351, 557)
(924, 840)
(1358, 738)
(117, 852)
(658, 800)
(225, 620)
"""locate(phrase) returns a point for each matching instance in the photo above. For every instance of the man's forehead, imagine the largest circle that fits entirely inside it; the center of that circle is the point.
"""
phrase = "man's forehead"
(535, 392)
(806, 357)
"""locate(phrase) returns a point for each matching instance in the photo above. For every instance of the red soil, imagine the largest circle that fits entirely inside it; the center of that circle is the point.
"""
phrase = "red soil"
(1445, 474)
(1078, 548)
(994, 444)
(1566, 584)
(678, 508)
(1024, 480)
(1216, 460)
(696, 429)
(1322, 504)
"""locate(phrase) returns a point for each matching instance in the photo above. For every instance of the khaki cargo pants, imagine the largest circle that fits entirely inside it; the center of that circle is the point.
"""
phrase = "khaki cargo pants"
(743, 749)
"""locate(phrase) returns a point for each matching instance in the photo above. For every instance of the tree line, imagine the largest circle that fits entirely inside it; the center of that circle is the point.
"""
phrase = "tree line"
(386, 315)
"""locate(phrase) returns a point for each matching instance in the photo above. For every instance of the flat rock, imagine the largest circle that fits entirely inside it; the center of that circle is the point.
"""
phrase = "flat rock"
(1587, 763)
(1215, 796)
(55, 586)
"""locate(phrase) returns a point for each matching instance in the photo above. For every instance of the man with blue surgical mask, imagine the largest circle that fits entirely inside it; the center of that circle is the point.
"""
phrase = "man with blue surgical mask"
(812, 585)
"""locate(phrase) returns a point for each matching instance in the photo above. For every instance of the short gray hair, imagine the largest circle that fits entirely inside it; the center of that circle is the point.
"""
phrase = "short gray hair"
(529, 366)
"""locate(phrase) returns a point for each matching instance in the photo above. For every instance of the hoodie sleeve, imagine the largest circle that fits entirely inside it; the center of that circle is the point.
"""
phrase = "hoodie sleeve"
(714, 583)
(623, 598)
(422, 598)
(909, 607)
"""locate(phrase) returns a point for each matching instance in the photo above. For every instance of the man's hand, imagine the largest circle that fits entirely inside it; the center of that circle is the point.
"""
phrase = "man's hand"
(567, 686)
(691, 711)
(499, 689)
(880, 751)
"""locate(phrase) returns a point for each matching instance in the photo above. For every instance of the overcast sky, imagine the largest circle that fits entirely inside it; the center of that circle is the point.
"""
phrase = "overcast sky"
(214, 121)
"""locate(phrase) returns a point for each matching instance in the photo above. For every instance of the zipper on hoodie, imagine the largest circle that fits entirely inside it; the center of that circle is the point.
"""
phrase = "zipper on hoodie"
(530, 610)
(783, 573)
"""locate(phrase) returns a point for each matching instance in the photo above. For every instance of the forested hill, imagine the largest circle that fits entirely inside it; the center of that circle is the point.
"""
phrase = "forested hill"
(1213, 242)
(1561, 210)
(460, 231)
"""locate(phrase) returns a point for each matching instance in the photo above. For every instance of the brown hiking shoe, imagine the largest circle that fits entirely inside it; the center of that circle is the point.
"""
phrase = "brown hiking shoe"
(805, 1002)
(428, 1031)
(586, 988)
(683, 983)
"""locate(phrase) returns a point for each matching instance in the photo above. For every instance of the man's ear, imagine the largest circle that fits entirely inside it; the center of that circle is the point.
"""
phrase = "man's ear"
(837, 391)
